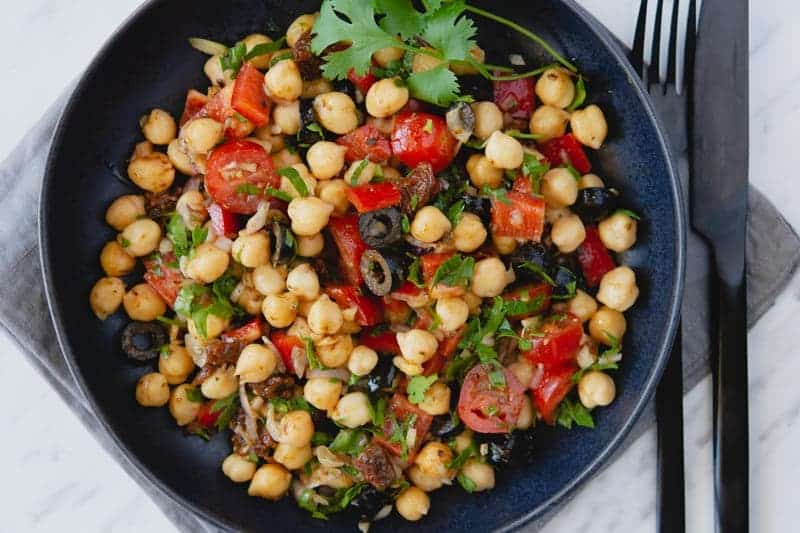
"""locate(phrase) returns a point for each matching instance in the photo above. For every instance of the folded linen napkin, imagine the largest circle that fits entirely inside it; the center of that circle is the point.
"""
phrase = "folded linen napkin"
(24, 315)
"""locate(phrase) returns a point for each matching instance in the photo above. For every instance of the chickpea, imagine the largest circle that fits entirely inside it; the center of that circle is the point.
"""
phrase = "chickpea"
(352, 410)
(361, 172)
(618, 232)
(417, 345)
(238, 469)
(606, 325)
(422, 480)
(251, 251)
(115, 261)
(386, 97)
(201, 134)
(488, 119)
(554, 87)
(481, 474)
(430, 224)
(179, 158)
(143, 303)
(261, 62)
(310, 246)
(208, 263)
(326, 159)
(490, 277)
(522, 369)
(334, 193)
(336, 112)
(549, 122)
(504, 245)
(141, 237)
(325, 317)
(474, 302)
(334, 351)
(413, 504)
(589, 126)
(220, 384)
(526, 416)
(124, 211)
(271, 481)
(424, 62)
(284, 158)
(322, 393)
(314, 88)
(453, 313)
(433, 459)
(469, 234)
(559, 188)
(215, 325)
(299, 27)
(406, 367)
(153, 172)
(286, 118)
(464, 68)
(283, 82)
(568, 233)
(582, 306)
(618, 289)
(504, 151)
(437, 399)
(292, 457)
(463, 440)
(256, 363)
(192, 208)
(384, 56)
(482, 173)
(159, 127)
(303, 282)
(309, 215)
(362, 360)
(590, 181)
(176, 365)
(182, 409)
(269, 280)
(213, 69)
(596, 389)
(106, 297)
(296, 429)
(152, 390)
(280, 310)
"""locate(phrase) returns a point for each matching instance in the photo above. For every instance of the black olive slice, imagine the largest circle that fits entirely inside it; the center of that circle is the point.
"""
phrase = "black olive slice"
(381, 228)
(283, 244)
(377, 273)
(143, 340)
(595, 203)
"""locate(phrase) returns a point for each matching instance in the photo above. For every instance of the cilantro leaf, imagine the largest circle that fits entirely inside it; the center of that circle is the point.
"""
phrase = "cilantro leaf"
(627, 212)
(466, 483)
(534, 170)
(414, 273)
(570, 412)
(194, 395)
(447, 31)
(498, 194)
(227, 407)
(178, 233)
(349, 442)
(280, 195)
(248, 188)
(313, 362)
(295, 179)
(265, 48)
(283, 406)
(377, 412)
(462, 457)
(438, 86)
(455, 272)
(418, 386)
(401, 18)
(233, 60)
(455, 212)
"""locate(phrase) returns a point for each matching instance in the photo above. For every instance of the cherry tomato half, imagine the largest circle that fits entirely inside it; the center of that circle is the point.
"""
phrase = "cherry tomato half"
(422, 137)
(486, 408)
(233, 166)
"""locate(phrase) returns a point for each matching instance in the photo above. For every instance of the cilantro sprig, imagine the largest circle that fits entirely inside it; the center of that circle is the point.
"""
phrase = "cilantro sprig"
(418, 386)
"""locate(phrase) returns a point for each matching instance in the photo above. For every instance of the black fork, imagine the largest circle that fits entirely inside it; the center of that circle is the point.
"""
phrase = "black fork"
(670, 98)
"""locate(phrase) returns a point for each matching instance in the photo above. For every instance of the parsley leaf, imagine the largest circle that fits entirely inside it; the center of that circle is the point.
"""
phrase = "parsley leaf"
(357, 172)
(234, 58)
(539, 271)
(534, 170)
(627, 212)
(377, 412)
(570, 412)
(283, 406)
(414, 273)
(338, 502)
(417, 387)
(125, 243)
(572, 170)
(178, 233)
(498, 194)
(313, 362)
(248, 188)
(227, 407)
(461, 458)
(349, 442)
(405, 225)
(280, 195)
(455, 272)
(193, 394)
(265, 48)
(320, 438)
(448, 32)
(455, 212)
(297, 182)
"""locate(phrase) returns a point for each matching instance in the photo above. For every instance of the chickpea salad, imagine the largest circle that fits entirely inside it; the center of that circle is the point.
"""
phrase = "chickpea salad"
(373, 260)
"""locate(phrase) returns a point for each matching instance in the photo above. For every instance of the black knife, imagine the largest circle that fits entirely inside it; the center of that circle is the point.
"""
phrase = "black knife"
(719, 213)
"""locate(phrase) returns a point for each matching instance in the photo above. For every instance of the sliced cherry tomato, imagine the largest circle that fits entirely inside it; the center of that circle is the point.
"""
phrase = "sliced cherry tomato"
(558, 342)
(382, 341)
(206, 417)
(410, 294)
(235, 165)
(523, 185)
(488, 409)
(402, 409)
(285, 344)
(369, 310)
(520, 216)
(423, 137)
(594, 258)
(164, 275)
(223, 221)
(373, 196)
(195, 102)
(345, 234)
(220, 108)
(529, 294)
(249, 98)
(554, 386)
(249, 333)
(430, 263)
(362, 83)
(566, 149)
(517, 98)
(366, 143)
(395, 311)
(447, 347)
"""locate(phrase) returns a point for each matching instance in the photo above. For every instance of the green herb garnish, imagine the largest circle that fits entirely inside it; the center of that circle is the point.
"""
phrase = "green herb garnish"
(455, 272)
(418, 386)
(294, 178)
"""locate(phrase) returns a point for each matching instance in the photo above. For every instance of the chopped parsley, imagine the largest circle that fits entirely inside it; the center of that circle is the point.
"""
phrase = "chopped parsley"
(418, 386)
(193, 394)
(627, 212)
(349, 442)
(455, 272)
(313, 362)
(428, 128)
(466, 483)
(573, 412)
(125, 243)
(534, 170)
(338, 502)
(275, 193)
(283, 406)
(248, 188)
(499, 194)
(580, 95)
(294, 178)
(227, 407)
(357, 172)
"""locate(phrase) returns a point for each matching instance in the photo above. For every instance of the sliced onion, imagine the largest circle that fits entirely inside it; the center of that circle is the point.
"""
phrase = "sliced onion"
(271, 423)
(195, 349)
(327, 457)
(411, 437)
(299, 360)
(280, 368)
(165, 246)
(538, 374)
(383, 513)
(257, 222)
(237, 291)
(331, 373)
(249, 418)
(223, 243)
(208, 47)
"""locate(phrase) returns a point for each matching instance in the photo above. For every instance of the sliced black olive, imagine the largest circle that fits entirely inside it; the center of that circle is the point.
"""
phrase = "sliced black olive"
(322, 422)
(530, 259)
(595, 203)
(478, 206)
(445, 427)
(565, 283)
(461, 121)
(283, 245)
(346, 87)
(311, 130)
(382, 228)
(370, 501)
(142, 340)
(382, 376)
(477, 86)
(514, 449)
(382, 271)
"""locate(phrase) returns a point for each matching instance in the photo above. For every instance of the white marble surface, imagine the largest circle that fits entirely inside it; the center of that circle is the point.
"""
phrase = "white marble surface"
(56, 478)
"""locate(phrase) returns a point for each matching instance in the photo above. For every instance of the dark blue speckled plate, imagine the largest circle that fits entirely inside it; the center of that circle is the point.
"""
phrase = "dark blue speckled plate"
(148, 63)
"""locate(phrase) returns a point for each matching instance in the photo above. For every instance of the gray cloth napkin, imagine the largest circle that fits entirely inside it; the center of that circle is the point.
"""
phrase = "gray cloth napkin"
(24, 314)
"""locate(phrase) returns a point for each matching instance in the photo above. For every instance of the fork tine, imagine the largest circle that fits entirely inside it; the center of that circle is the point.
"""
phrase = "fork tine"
(654, 73)
(637, 53)
(672, 51)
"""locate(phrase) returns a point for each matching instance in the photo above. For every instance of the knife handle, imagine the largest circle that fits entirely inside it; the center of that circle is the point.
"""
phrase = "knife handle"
(731, 458)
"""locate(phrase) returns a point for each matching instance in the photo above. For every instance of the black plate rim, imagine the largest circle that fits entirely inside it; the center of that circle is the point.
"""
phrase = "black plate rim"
(131, 461)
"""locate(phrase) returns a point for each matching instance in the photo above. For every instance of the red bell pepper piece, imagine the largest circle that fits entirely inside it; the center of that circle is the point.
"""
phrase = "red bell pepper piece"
(402, 409)
(559, 342)
(594, 258)
(195, 102)
(373, 196)
(410, 294)
(384, 341)
(369, 311)
(520, 216)
(517, 98)
(249, 98)
(206, 417)
(362, 83)
(447, 347)
(345, 234)
(249, 333)
(366, 143)
(523, 185)
(540, 292)
(164, 275)
(566, 149)
(223, 221)
(220, 108)
(430, 263)
(554, 386)
(285, 344)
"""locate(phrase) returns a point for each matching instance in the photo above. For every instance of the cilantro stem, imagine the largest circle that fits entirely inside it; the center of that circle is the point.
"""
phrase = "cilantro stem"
(497, 67)
(522, 75)
(527, 33)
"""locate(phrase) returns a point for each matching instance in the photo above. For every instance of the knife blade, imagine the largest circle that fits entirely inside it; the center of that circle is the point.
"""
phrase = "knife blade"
(719, 212)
